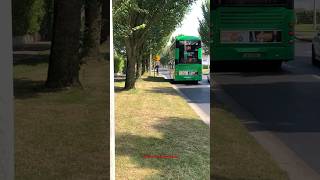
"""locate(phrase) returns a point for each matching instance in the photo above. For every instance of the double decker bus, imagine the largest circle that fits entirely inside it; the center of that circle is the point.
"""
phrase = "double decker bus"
(252, 31)
(186, 59)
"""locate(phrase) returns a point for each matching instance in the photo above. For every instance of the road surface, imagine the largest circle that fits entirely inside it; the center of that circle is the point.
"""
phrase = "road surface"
(197, 95)
(287, 103)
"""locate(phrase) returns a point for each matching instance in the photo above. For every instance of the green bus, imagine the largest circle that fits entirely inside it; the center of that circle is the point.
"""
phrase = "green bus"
(252, 31)
(186, 59)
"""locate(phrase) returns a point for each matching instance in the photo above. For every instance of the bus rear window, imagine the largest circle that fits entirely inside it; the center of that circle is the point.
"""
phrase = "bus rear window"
(188, 52)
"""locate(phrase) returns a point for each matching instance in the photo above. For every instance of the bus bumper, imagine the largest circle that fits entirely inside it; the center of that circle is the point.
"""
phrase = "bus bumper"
(253, 54)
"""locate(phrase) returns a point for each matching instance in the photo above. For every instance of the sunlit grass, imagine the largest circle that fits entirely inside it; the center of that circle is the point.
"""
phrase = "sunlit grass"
(155, 120)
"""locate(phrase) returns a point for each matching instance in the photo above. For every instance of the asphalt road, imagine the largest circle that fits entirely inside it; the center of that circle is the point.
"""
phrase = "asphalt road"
(287, 103)
(196, 94)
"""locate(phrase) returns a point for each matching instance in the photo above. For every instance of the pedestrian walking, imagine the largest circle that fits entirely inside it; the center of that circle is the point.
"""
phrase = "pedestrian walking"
(157, 69)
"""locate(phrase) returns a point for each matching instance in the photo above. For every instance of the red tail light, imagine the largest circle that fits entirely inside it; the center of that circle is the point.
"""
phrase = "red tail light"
(291, 33)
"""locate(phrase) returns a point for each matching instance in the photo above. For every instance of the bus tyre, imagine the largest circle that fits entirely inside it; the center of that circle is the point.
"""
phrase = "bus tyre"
(313, 57)
(277, 66)
(194, 82)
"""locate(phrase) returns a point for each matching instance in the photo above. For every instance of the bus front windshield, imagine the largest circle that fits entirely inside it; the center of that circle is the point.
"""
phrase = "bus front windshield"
(188, 52)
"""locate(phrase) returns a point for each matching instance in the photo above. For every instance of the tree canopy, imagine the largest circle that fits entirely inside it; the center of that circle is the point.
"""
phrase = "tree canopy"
(142, 26)
(27, 16)
(204, 26)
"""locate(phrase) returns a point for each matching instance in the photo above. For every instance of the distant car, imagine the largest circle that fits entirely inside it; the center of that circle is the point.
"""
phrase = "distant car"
(316, 49)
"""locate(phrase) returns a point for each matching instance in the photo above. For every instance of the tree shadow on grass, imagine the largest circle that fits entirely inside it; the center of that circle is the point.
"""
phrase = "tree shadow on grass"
(155, 79)
(118, 89)
(39, 46)
(163, 90)
(188, 139)
(26, 88)
(30, 59)
(119, 79)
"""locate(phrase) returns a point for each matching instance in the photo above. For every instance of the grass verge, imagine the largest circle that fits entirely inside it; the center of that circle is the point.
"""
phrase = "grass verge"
(235, 154)
(62, 134)
(305, 31)
(205, 71)
(154, 120)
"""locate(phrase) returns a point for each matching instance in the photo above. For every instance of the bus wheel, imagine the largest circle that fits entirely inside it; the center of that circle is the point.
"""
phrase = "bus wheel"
(278, 66)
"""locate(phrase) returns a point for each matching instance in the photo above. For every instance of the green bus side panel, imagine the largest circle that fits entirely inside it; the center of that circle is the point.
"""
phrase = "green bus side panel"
(189, 68)
(252, 18)
(177, 53)
(188, 38)
(200, 53)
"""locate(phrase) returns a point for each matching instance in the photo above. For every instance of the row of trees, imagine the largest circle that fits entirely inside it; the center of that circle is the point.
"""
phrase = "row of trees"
(204, 26)
(28, 16)
(204, 32)
(66, 53)
(77, 27)
(143, 27)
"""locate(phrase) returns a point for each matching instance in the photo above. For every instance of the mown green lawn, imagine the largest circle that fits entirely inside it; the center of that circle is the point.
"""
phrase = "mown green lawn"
(305, 31)
(61, 135)
(154, 119)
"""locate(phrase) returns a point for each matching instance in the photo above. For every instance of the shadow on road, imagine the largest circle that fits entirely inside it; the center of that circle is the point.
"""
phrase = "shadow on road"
(279, 106)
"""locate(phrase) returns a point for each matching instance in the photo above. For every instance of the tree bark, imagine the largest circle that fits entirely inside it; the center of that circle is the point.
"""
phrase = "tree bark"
(92, 28)
(131, 64)
(64, 63)
(105, 30)
(139, 68)
(143, 70)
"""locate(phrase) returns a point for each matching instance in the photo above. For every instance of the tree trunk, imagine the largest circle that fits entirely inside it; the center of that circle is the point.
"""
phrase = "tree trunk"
(143, 70)
(105, 31)
(93, 28)
(139, 68)
(131, 65)
(64, 63)
(144, 62)
(147, 64)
